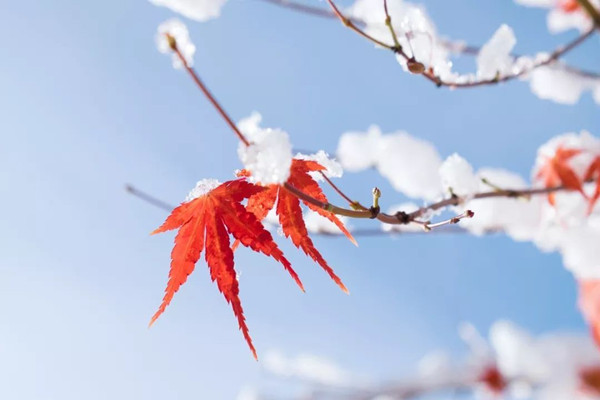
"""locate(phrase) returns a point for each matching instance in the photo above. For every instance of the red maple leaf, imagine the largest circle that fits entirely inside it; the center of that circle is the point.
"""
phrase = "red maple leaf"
(290, 213)
(493, 379)
(568, 6)
(593, 172)
(205, 223)
(589, 304)
(589, 379)
(556, 171)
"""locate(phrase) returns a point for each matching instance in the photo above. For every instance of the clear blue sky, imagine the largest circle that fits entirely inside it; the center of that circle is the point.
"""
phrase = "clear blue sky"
(88, 104)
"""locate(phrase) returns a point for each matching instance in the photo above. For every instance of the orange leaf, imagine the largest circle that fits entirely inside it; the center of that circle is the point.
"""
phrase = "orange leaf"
(568, 6)
(290, 217)
(589, 304)
(556, 171)
(594, 171)
(290, 213)
(210, 219)
(301, 180)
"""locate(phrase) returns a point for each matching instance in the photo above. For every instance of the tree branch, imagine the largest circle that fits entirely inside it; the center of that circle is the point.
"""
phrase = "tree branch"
(591, 11)
(359, 211)
(464, 49)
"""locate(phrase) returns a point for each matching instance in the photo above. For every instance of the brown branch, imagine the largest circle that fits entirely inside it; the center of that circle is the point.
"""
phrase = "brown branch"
(160, 204)
(206, 91)
(464, 49)
(400, 218)
(591, 11)
(353, 26)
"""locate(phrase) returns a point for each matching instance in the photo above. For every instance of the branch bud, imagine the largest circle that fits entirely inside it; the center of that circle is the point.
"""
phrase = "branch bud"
(415, 66)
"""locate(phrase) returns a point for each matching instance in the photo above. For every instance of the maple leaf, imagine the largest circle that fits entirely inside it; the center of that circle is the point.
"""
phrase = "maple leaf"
(589, 377)
(290, 213)
(568, 6)
(593, 172)
(493, 379)
(205, 224)
(556, 171)
(589, 304)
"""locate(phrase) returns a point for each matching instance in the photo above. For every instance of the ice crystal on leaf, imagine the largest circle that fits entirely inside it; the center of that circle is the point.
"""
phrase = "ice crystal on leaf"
(333, 169)
(202, 187)
(178, 31)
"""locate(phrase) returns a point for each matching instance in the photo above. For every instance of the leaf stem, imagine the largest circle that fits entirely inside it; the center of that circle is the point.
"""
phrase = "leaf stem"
(208, 94)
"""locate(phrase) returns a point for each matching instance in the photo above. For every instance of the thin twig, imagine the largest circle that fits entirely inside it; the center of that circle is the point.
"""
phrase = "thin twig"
(207, 92)
(400, 218)
(464, 49)
(162, 205)
(350, 24)
(303, 196)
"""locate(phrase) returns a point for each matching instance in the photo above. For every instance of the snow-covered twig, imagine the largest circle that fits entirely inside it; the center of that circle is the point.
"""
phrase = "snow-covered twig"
(356, 25)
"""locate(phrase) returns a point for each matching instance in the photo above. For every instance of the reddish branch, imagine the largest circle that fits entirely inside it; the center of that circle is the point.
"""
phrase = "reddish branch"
(358, 210)
(356, 24)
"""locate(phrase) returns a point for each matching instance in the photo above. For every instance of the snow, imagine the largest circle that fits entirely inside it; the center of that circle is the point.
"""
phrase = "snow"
(358, 151)
(495, 58)
(552, 363)
(333, 167)
(307, 367)
(269, 157)
(566, 227)
(176, 29)
(409, 21)
(458, 177)
(517, 217)
(315, 223)
(202, 187)
(411, 165)
(560, 85)
(199, 10)
(559, 20)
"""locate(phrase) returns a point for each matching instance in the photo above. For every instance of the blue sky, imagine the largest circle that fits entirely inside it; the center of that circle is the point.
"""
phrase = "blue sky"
(89, 105)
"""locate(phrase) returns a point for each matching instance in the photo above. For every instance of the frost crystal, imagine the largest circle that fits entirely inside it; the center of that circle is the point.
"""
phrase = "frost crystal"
(200, 10)
(494, 57)
(179, 32)
(458, 177)
(269, 157)
(333, 169)
(202, 187)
